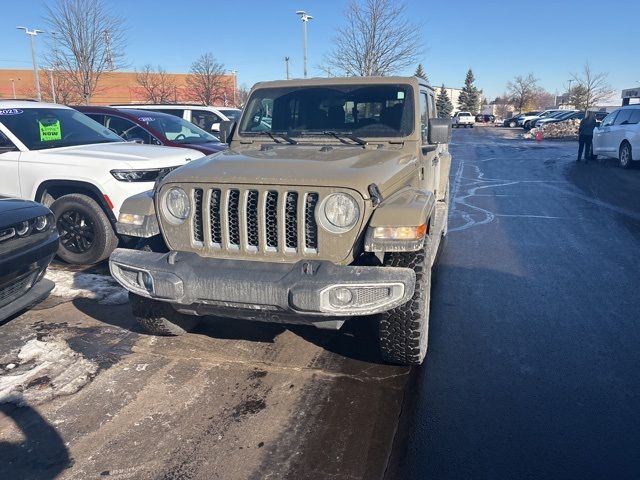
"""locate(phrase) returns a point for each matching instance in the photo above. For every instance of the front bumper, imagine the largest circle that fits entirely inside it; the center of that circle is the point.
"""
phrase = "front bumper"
(200, 286)
(21, 272)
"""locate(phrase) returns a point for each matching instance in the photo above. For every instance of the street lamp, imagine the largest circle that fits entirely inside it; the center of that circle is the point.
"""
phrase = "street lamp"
(305, 17)
(33, 33)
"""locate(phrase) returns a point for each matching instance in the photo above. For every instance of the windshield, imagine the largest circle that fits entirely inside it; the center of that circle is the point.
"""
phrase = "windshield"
(231, 114)
(361, 110)
(177, 129)
(42, 128)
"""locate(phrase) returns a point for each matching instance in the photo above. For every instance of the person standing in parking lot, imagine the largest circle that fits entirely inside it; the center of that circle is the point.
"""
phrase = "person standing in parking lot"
(585, 136)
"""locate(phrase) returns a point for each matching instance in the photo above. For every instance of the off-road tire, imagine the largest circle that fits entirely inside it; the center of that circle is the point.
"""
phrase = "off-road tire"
(625, 153)
(104, 237)
(159, 318)
(404, 331)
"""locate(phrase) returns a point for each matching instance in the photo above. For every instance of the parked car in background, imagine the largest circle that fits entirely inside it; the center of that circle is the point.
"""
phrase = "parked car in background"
(566, 115)
(463, 119)
(207, 118)
(485, 118)
(618, 136)
(527, 115)
(83, 171)
(28, 243)
(154, 128)
(512, 122)
(529, 121)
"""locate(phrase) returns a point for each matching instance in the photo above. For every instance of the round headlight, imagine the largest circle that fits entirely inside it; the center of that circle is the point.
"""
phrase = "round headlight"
(22, 228)
(341, 212)
(177, 203)
(41, 223)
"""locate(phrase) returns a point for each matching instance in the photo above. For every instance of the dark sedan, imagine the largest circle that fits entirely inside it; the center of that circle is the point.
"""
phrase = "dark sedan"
(28, 243)
(154, 128)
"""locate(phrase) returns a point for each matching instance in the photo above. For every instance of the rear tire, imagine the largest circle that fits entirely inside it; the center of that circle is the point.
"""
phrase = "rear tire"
(404, 331)
(86, 234)
(624, 156)
(159, 318)
(513, 124)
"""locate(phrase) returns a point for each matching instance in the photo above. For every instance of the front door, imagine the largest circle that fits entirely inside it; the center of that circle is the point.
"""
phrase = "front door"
(9, 166)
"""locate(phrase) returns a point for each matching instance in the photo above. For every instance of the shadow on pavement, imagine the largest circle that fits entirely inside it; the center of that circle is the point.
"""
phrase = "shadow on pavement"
(42, 455)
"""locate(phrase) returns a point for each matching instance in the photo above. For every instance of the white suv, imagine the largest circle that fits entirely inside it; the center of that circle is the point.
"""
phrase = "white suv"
(83, 171)
(618, 136)
(207, 118)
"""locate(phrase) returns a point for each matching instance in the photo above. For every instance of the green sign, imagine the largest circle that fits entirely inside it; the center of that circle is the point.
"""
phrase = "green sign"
(50, 129)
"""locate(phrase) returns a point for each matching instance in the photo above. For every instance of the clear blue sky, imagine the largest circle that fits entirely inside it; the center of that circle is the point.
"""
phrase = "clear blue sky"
(498, 39)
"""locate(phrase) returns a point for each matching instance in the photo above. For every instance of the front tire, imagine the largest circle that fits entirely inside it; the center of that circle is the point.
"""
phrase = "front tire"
(513, 124)
(404, 331)
(159, 318)
(86, 234)
(625, 155)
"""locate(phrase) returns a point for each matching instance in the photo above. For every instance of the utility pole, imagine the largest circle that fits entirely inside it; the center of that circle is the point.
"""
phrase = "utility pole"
(33, 33)
(13, 87)
(305, 17)
(54, 66)
(286, 67)
(235, 87)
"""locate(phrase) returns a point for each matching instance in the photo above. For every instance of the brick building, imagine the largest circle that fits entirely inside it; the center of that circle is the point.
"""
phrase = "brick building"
(114, 87)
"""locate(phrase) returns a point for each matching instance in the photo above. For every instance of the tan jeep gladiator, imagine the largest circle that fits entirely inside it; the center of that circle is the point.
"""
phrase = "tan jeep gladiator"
(330, 203)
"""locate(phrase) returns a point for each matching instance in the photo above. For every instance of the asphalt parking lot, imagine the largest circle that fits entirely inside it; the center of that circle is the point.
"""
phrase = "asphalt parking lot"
(531, 370)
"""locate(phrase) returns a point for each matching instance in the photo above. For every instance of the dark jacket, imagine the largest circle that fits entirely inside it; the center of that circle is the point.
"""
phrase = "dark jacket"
(587, 124)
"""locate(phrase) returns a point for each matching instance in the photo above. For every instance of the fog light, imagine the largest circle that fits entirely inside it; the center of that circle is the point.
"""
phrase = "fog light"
(340, 297)
(145, 280)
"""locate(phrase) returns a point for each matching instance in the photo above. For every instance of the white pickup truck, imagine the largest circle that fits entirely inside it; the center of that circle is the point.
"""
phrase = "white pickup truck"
(463, 119)
(81, 170)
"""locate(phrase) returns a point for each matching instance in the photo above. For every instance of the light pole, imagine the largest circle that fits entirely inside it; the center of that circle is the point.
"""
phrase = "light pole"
(53, 66)
(286, 67)
(33, 33)
(305, 17)
(13, 87)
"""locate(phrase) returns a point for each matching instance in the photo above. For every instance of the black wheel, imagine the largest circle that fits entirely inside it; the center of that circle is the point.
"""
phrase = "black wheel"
(404, 331)
(159, 318)
(625, 155)
(513, 124)
(86, 235)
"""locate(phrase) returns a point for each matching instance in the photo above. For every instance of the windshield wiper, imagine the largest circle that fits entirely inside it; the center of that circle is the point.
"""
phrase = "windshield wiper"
(342, 135)
(275, 135)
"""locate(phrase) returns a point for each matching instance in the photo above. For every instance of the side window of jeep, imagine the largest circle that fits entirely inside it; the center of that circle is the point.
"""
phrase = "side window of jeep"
(424, 116)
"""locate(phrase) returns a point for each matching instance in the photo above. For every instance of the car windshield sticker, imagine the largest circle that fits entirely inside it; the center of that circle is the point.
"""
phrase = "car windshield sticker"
(10, 111)
(400, 95)
(49, 129)
(146, 119)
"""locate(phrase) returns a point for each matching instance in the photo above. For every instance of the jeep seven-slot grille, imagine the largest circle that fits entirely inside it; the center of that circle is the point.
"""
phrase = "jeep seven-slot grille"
(257, 221)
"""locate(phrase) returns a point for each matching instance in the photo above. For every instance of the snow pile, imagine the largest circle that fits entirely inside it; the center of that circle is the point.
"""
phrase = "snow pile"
(87, 285)
(45, 369)
(565, 129)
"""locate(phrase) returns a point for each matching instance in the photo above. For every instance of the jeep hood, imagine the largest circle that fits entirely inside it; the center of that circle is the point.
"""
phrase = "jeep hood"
(301, 165)
(133, 154)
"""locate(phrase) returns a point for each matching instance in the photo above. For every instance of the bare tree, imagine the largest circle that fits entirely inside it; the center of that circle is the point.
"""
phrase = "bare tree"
(89, 42)
(66, 90)
(242, 95)
(543, 99)
(522, 91)
(377, 38)
(206, 80)
(157, 84)
(594, 87)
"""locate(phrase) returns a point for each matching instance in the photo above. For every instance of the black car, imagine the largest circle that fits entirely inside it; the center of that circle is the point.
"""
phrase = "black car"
(28, 243)
(512, 122)
(484, 118)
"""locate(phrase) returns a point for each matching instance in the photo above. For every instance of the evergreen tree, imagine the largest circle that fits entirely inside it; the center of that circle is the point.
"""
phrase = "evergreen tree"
(469, 100)
(443, 104)
(421, 73)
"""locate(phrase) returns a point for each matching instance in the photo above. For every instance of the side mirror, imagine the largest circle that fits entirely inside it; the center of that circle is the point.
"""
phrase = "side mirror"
(227, 127)
(439, 131)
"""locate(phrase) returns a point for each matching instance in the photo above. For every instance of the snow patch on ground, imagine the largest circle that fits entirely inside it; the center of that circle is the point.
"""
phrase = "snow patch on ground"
(46, 369)
(87, 285)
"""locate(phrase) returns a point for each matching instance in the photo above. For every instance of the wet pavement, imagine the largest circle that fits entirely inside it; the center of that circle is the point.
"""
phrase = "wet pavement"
(531, 370)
